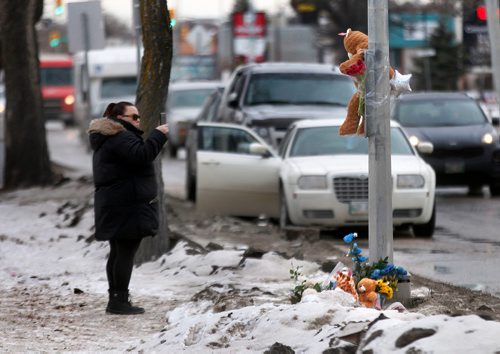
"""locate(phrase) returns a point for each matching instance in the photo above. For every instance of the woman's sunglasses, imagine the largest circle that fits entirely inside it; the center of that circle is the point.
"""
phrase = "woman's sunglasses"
(133, 116)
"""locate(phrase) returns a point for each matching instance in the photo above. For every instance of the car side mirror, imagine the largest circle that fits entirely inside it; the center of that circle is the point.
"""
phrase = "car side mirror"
(259, 149)
(232, 100)
(495, 121)
(425, 147)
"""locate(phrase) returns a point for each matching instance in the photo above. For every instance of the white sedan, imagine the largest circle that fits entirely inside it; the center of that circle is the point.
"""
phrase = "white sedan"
(318, 178)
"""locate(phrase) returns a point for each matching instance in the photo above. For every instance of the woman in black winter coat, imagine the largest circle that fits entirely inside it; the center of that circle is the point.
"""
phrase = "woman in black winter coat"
(125, 198)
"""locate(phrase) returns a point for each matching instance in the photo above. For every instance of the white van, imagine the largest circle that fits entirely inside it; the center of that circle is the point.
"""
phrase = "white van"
(112, 76)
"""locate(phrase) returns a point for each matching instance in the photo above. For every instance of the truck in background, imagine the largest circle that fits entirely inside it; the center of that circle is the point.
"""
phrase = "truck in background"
(112, 78)
(56, 82)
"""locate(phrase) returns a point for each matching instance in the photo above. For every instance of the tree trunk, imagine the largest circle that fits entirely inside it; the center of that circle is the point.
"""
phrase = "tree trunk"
(151, 98)
(27, 160)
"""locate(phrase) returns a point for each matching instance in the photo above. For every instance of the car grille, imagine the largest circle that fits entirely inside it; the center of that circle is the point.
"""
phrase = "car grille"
(348, 189)
(463, 152)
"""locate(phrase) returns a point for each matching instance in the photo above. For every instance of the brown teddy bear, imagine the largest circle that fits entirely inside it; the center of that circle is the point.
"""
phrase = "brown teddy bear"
(356, 43)
(367, 293)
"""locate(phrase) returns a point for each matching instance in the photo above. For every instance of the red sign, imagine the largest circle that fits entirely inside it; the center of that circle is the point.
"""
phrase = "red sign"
(249, 33)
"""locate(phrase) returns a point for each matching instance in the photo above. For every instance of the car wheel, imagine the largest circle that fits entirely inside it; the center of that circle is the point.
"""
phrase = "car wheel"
(475, 189)
(284, 218)
(172, 151)
(494, 190)
(190, 183)
(285, 221)
(427, 229)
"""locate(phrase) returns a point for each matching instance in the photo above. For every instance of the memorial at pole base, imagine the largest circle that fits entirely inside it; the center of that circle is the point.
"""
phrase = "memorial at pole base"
(378, 284)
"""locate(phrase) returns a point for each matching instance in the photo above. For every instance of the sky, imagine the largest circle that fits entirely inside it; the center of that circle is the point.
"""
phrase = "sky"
(55, 261)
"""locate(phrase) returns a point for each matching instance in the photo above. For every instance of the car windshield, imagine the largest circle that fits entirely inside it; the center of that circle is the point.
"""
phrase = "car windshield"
(439, 113)
(299, 89)
(56, 76)
(327, 141)
(118, 87)
(188, 98)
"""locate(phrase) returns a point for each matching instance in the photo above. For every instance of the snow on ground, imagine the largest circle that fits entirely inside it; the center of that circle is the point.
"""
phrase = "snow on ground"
(218, 301)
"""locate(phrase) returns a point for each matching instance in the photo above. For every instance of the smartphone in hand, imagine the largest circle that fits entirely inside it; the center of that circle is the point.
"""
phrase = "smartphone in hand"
(163, 118)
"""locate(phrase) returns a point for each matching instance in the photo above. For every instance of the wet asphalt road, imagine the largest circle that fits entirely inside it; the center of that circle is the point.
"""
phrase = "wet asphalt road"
(464, 251)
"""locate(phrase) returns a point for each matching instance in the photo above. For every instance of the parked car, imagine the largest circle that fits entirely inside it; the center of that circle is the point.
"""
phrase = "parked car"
(184, 103)
(317, 178)
(208, 114)
(466, 144)
(268, 97)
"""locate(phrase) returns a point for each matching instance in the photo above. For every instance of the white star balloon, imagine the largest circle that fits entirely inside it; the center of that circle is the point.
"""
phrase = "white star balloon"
(400, 83)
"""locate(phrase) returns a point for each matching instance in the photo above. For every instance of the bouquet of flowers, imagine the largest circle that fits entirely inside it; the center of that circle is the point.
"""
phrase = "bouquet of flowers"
(386, 274)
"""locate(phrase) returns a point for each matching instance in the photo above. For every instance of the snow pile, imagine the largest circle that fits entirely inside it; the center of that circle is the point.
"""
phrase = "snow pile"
(320, 321)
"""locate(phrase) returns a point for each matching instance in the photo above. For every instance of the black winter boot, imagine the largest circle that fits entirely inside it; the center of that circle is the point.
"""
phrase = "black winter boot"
(119, 304)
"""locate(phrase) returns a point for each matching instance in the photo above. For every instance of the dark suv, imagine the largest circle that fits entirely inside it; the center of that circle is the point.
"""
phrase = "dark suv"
(466, 144)
(268, 97)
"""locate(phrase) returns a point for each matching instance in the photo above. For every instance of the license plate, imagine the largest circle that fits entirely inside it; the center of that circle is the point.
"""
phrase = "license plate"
(454, 167)
(358, 208)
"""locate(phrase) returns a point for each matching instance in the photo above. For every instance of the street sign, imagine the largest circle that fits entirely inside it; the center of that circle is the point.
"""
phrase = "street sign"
(85, 26)
(200, 39)
(249, 36)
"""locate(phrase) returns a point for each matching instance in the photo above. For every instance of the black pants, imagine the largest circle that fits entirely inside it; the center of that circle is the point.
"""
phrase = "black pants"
(120, 263)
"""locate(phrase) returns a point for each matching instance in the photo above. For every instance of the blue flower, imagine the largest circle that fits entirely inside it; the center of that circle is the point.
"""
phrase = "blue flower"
(388, 269)
(361, 258)
(375, 274)
(401, 271)
(350, 237)
(356, 251)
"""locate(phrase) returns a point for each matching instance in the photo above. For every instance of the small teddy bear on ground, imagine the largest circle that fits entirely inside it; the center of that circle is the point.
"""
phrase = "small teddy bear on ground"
(356, 43)
(367, 293)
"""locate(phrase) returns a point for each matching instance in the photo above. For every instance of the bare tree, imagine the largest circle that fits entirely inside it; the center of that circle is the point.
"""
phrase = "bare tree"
(115, 28)
(341, 15)
(151, 98)
(27, 160)
(241, 6)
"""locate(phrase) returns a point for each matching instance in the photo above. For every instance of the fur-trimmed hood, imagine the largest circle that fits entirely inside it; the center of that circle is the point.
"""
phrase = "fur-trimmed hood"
(105, 126)
(101, 129)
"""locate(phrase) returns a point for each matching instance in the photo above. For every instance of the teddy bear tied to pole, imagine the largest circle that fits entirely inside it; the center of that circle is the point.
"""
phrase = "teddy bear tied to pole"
(356, 43)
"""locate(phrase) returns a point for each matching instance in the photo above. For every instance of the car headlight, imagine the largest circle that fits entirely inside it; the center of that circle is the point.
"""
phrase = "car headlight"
(312, 182)
(487, 138)
(69, 100)
(410, 181)
(414, 140)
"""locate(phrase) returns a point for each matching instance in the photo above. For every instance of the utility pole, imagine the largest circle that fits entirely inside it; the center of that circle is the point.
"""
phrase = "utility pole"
(494, 35)
(380, 226)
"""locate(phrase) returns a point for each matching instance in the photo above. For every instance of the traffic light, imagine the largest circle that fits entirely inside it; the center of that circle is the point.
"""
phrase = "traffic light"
(307, 10)
(481, 13)
(171, 14)
(58, 7)
(54, 39)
